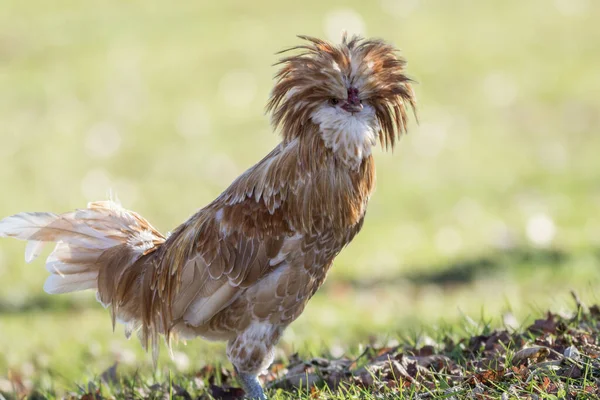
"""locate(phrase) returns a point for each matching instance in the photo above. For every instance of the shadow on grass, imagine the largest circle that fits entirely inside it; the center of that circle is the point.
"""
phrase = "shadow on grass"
(43, 302)
(466, 271)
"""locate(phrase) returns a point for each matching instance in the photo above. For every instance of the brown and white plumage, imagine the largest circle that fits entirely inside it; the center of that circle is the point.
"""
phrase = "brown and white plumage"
(243, 267)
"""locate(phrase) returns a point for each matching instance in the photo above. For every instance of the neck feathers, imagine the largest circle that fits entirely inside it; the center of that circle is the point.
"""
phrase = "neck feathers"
(304, 183)
(350, 137)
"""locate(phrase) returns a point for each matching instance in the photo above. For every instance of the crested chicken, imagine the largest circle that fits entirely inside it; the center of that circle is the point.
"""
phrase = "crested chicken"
(242, 268)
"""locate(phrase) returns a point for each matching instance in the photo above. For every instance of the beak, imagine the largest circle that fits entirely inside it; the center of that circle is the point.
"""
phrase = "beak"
(352, 107)
(353, 104)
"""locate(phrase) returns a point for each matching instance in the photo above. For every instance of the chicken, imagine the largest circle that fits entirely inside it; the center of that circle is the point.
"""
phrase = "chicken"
(243, 268)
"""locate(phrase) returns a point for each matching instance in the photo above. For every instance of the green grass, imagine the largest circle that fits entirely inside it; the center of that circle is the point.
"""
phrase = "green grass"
(163, 103)
(555, 357)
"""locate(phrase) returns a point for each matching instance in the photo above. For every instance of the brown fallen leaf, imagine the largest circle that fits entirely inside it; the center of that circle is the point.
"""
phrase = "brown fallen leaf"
(91, 396)
(295, 381)
(547, 325)
(534, 354)
(573, 372)
(437, 363)
(226, 393)
(486, 377)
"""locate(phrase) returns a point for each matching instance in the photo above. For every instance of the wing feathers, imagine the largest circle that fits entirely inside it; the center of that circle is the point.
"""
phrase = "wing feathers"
(204, 308)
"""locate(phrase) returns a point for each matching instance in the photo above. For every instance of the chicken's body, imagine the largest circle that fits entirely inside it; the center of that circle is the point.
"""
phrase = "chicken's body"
(287, 246)
(243, 267)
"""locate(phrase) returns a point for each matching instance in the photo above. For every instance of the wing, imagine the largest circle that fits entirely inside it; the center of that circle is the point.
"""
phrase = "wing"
(224, 248)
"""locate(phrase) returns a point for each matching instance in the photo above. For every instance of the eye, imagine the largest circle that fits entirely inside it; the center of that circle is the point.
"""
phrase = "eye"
(333, 101)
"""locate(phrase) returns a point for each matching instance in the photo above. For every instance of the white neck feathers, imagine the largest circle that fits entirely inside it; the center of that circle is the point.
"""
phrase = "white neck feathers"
(349, 136)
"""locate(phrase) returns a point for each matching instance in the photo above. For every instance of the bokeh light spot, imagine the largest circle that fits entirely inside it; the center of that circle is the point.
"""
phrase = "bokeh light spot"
(96, 185)
(400, 8)
(193, 120)
(572, 7)
(430, 140)
(448, 240)
(500, 89)
(343, 20)
(238, 88)
(541, 230)
(103, 140)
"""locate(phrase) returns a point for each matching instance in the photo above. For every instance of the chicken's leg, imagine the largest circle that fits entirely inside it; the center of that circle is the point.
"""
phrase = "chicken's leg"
(252, 352)
(251, 386)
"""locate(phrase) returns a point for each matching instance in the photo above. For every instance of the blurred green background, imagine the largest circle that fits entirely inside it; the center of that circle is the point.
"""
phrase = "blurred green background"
(489, 209)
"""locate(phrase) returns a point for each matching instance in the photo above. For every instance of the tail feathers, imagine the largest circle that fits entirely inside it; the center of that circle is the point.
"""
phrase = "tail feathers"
(83, 240)
(25, 225)
(56, 284)
(67, 260)
(33, 250)
(102, 247)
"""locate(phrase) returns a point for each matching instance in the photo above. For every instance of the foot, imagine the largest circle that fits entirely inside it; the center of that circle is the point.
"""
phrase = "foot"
(251, 386)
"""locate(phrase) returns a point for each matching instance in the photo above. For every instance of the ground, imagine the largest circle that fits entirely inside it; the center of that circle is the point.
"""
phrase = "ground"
(487, 211)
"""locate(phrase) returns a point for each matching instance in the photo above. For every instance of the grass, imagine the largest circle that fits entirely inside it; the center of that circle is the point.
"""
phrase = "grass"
(555, 357)
(487, 209)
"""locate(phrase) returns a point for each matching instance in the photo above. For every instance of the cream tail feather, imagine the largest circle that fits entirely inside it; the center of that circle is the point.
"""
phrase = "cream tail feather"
(82, 238)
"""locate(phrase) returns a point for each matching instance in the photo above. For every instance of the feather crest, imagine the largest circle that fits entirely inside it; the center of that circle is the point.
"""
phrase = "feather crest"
(321, 70)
